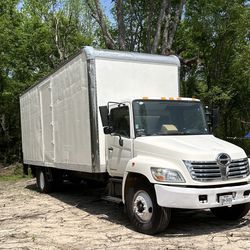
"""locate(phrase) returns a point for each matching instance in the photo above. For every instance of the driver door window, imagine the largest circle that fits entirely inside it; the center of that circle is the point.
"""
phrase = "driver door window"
(120, 121)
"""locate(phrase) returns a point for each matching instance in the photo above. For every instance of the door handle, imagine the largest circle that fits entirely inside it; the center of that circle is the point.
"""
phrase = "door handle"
(110, 149)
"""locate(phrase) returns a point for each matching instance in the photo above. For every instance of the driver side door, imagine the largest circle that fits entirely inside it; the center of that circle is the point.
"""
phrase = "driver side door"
(119, 143)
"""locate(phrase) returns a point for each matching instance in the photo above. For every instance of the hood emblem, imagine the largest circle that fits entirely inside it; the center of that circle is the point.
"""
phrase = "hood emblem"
(224, 161)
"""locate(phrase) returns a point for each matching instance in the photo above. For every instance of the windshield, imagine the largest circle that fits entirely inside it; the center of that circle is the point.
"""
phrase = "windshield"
(162, 117)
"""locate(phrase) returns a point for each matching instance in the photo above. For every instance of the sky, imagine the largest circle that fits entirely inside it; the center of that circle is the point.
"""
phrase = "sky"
(107, 5)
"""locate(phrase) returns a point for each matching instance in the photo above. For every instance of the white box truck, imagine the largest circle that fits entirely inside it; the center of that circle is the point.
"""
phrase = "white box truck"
(117, 117)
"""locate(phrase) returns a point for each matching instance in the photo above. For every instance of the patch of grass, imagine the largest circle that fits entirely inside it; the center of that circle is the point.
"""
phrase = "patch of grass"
(13, 173)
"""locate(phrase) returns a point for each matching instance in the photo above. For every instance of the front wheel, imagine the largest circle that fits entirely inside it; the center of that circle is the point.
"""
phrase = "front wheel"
(231, 213)
(143, 211)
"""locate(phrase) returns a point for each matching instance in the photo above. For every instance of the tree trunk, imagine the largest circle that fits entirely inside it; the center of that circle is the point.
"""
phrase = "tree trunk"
(57, 40)
(158, 27)
(3, 123)
(121, 25)
(166, 28)
(149, 29)
(98, 15)
(170, 29)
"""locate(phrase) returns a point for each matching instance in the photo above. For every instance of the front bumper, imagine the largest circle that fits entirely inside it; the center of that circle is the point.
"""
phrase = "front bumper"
(182, 197)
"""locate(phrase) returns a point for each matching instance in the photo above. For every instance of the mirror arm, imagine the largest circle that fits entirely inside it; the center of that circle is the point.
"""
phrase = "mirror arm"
(120, 138)
(120, 141)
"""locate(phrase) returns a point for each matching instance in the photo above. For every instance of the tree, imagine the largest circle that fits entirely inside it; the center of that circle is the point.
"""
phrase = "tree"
(147, 26)
(217, 37)
(9, 41)
(34, 39)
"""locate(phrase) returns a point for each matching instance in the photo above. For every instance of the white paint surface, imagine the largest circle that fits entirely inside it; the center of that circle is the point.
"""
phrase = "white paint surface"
(119, 80)
(55, 119)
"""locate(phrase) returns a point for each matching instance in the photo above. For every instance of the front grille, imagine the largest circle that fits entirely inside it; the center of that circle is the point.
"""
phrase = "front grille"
(212, 171)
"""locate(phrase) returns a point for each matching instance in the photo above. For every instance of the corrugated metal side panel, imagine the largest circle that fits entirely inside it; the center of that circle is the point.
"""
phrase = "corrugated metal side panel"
(71, 114)
(46, 122)
(55, 119)
(118, 80)
(31, 126)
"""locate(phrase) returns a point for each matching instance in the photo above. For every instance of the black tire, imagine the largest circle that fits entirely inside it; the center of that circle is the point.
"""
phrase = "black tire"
(43, 182)
(157, 218)
(57, 179)
(235, 212)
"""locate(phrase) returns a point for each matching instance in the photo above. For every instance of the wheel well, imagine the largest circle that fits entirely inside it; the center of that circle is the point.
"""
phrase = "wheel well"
(133, 178)
(33, 170)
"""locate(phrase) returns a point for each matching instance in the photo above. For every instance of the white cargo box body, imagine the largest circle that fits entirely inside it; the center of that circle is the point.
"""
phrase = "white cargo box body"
(60, 119)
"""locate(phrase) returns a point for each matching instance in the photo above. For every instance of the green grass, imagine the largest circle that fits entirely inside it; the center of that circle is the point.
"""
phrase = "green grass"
(13, 173)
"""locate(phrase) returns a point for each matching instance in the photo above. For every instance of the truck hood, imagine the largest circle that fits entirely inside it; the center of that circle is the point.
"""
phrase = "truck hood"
(186, 147)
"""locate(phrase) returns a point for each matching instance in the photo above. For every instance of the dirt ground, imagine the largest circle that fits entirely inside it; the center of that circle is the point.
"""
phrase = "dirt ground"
(76, 218)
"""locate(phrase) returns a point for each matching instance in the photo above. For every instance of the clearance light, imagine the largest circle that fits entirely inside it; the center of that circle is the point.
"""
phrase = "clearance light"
(194, 99)
(163, 98)
(145, 97)
(171, 98)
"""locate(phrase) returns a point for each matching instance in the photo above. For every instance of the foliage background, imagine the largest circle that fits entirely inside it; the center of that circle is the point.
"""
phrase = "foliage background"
(211, 38)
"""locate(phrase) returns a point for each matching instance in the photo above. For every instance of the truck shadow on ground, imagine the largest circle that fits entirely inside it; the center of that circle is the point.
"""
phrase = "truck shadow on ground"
(184, 223)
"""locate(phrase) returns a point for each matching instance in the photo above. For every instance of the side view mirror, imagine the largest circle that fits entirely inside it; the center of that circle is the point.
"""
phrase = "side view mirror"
(107, 130)
(120, 138)
(212, 118)
(208, 115)
(120, 141)
(215, 118)
(104, 116)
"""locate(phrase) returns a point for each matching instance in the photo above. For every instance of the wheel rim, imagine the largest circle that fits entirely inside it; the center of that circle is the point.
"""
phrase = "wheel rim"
(41, 180)
(143, 206)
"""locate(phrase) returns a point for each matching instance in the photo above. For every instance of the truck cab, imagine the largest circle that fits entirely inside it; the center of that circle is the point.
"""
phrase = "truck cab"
(165, 155)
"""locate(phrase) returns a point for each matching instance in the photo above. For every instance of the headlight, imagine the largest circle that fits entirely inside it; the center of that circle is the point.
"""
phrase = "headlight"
(167, 175)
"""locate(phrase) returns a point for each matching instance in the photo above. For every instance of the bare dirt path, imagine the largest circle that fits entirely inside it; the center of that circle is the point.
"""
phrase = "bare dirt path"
(76, 218)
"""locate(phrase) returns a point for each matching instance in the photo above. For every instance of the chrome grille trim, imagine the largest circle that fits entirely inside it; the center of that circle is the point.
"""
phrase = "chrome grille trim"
(211, 171)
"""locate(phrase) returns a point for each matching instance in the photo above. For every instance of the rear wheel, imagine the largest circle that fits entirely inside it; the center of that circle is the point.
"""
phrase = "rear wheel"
(43, 181)
(231, 213)
(143, 211)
